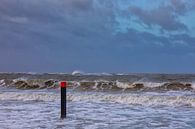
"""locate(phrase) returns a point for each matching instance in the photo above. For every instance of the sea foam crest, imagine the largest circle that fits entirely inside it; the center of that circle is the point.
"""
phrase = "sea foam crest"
(193, 85)
(131, 99)
(20, 79)
(123, 85)
(77, 72)
(2, 82)
(136, 99)
(29, 96)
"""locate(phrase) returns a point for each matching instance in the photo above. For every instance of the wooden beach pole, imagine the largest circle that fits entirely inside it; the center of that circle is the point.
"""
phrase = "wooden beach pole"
(63, 86)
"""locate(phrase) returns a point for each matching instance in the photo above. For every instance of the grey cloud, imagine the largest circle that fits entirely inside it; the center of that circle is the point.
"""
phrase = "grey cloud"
(179, 6)
(54, 24)
(165, 16)
(81, 5)
(139, 43)
(52, 35)
(45, 10)
(20, 20)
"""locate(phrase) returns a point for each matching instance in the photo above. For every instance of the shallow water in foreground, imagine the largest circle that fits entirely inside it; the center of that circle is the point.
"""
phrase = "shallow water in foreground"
(97, 110)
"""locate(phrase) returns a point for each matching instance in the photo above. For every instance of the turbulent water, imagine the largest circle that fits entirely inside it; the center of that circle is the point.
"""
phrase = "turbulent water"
(110, 101)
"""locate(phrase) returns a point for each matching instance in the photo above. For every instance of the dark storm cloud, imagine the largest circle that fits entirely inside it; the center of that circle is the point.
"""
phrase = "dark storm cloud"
(139, 43)
(28, 18)
(82, 5)
(165, 16)
(179, 6)
(55, 35)
(51, 29)
(45, 11)
(78, 23)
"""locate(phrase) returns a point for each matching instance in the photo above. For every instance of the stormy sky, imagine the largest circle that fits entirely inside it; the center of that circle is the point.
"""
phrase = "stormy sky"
(114, 36)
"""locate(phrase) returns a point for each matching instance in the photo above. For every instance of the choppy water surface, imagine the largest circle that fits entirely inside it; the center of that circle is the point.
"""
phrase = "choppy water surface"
(95, 106)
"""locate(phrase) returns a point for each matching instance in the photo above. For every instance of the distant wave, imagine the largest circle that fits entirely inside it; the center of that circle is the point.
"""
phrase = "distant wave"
(129, 86)
(78, 72)
(98, 85)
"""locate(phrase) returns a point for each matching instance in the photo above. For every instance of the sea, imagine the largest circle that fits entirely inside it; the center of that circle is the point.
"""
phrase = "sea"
(97, 101)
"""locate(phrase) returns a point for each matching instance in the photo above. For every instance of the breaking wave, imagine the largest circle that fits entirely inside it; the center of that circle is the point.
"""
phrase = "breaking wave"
(98, 85)
(131, 99)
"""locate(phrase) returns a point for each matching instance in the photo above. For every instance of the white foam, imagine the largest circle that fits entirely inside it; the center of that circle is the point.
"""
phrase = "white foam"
(148, 100)
(121, 74)
(152, 84)
(193, 85)
(2, 82)
(20, 79)
(77, 72)
(148, 83)
(123, 85)
(32, 73)
(136, 99)
(29, 96)
(107, 74)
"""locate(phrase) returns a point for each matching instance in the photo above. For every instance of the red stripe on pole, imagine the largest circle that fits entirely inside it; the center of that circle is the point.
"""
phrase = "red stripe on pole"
(63, 84)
